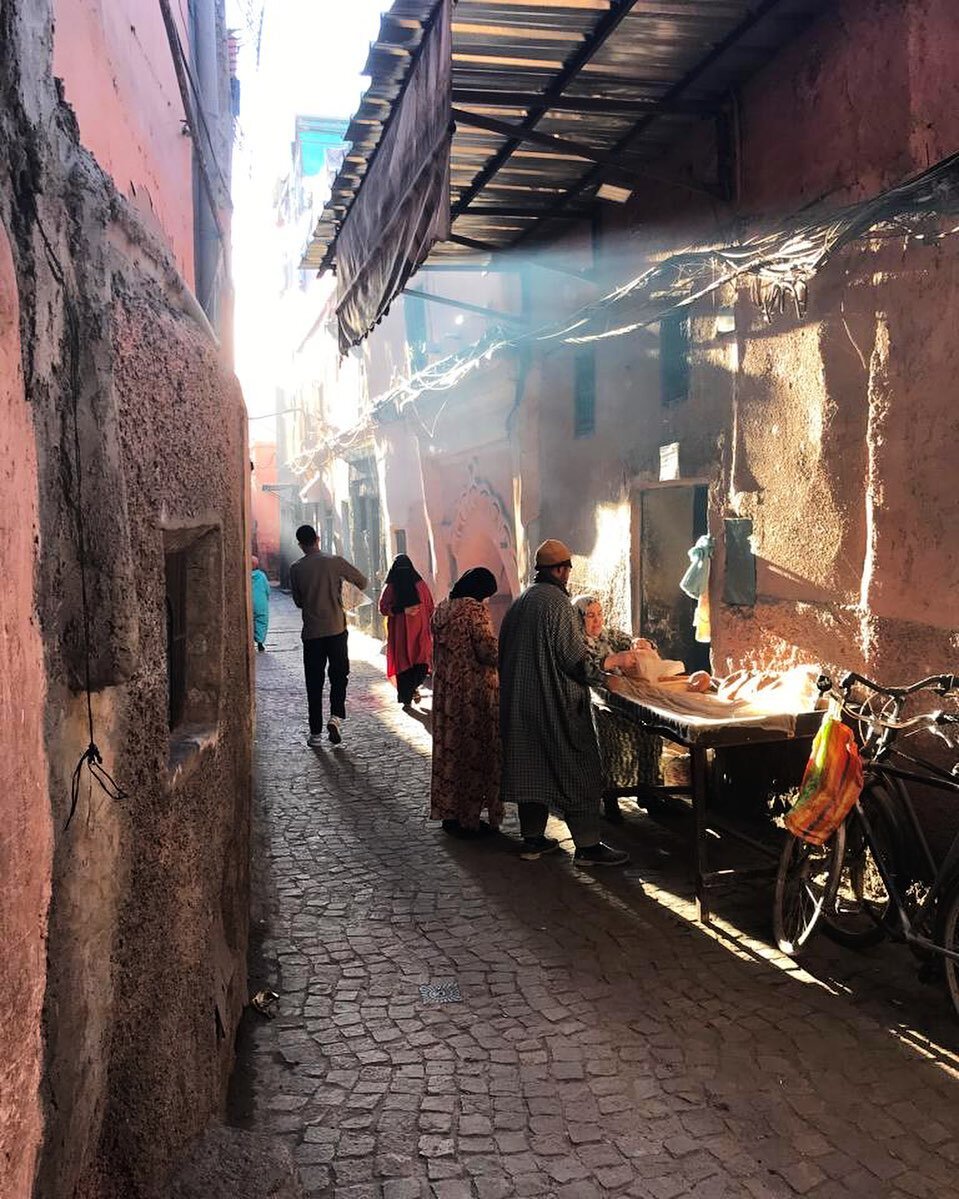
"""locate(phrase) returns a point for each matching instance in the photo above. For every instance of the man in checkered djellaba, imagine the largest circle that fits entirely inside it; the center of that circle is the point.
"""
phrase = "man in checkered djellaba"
(550, 755)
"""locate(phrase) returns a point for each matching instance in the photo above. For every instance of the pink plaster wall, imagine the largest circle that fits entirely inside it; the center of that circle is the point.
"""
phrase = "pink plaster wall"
(117, 69)
(833, 432)
(265, 507)
(25, 825)
(845, 419)
(867, 97)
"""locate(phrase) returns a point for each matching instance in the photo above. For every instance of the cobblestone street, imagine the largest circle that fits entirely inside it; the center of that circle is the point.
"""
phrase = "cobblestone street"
(457, 1023)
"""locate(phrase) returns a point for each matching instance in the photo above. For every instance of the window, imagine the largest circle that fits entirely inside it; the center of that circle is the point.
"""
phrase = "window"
(327, 546)
(674, 358)
(175, 567)
(414, 308)
(739, 580)
(346, 548)
(584, 394)
(194, 620)
(399, 538)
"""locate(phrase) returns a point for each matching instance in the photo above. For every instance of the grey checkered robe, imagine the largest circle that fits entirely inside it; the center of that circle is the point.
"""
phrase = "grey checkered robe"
(550, 755)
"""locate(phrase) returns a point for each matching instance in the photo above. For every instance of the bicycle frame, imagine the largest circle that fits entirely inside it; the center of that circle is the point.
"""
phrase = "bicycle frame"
(932, 776)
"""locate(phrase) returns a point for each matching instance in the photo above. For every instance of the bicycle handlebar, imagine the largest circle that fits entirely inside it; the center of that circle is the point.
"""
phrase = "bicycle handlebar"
(942, 684)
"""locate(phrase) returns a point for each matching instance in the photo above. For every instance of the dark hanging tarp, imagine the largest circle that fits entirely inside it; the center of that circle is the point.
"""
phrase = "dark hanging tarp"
(403, 205)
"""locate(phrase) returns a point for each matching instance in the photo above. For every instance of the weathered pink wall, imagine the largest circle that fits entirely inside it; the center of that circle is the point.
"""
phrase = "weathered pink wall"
(140, 952)
(265, 507)
(846, 418)
(25, 826)
(115, 62)
(832, 431)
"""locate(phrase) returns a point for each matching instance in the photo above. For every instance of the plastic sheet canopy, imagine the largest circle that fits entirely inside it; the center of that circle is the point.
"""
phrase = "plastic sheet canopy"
(403, 205)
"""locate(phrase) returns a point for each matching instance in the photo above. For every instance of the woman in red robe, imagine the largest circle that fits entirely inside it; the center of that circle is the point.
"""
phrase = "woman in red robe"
(408, 607)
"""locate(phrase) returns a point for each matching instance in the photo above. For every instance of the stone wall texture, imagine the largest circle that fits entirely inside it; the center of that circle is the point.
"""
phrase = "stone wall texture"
(25, 827)
(132, 443)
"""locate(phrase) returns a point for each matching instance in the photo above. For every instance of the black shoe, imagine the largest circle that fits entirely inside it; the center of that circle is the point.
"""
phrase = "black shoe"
(534, 848)
(260, 647)
(612, 811)
(600, 855)
(333, 730)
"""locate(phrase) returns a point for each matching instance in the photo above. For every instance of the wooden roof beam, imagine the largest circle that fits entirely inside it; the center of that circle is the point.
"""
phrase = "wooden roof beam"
(601, 105)
(748, 22)
(604, 28)
(609, 160)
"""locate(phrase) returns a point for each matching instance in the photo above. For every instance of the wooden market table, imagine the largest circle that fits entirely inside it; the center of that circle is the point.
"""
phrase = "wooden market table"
(654, 710)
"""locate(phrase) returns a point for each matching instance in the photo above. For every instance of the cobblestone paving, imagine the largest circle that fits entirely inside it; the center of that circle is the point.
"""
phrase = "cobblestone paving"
(597, 1041)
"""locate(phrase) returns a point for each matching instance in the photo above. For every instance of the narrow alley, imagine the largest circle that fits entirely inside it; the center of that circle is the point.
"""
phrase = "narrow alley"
(455, 1022)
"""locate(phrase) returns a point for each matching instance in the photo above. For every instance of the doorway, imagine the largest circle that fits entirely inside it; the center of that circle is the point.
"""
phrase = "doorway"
(670, 521)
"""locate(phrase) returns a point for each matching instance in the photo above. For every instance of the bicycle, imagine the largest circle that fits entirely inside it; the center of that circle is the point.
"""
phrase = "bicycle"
(877, 877)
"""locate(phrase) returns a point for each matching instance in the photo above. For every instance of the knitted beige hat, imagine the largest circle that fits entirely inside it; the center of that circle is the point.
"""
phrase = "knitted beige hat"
(553, 553)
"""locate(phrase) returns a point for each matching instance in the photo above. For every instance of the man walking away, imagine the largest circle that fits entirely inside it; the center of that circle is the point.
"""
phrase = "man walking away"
(550, 754)
(316, 582)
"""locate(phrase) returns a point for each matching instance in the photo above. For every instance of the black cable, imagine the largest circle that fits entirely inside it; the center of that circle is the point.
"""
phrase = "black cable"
(91, 756)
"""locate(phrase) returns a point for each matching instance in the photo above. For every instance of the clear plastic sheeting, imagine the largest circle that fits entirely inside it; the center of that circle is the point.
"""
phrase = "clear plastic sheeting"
(403, 205)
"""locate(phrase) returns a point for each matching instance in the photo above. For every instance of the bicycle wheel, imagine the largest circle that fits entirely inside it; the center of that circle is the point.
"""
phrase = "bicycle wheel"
(949, 939)
(856, 915)
(805, 882)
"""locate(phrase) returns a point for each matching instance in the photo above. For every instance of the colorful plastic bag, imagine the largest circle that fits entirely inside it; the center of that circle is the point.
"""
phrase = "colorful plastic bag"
(831, 783)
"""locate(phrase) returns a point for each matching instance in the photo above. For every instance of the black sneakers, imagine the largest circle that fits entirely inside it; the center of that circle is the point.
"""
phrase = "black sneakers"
(534, 848)
(600, 855)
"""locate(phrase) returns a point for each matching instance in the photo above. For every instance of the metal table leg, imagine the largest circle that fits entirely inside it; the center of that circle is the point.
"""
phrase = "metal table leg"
(697, 767)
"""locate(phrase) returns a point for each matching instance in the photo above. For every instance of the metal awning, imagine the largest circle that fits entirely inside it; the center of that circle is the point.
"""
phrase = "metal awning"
(559, 104)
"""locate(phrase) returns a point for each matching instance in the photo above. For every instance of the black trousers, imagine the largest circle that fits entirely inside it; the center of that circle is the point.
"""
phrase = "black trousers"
(583, 829)
(407, 682)
(322, 655)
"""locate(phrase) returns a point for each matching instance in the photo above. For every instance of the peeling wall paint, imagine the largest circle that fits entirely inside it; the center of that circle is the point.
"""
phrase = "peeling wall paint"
(26, 835)
(145, 960)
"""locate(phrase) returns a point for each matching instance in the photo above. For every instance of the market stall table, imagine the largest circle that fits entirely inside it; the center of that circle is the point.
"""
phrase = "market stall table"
(702, 723)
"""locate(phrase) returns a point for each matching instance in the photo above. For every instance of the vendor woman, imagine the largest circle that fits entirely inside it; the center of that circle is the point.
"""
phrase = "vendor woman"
(630, 756)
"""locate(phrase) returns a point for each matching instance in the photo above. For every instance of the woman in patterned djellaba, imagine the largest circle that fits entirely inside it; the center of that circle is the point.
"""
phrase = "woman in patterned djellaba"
(466, 744)
(629, 755)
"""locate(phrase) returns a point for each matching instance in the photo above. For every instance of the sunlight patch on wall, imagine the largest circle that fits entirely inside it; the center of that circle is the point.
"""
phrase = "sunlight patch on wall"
(605, 571)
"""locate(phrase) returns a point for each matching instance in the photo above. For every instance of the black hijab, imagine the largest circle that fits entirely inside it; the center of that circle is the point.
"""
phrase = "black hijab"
(477, 583)
(404, 576)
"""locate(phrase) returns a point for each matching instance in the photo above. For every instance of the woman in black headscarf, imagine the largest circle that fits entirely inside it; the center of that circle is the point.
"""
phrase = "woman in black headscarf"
(407, 605)
(466, 753)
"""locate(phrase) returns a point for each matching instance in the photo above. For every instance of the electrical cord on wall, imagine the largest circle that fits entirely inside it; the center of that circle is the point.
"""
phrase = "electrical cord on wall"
(91, 756)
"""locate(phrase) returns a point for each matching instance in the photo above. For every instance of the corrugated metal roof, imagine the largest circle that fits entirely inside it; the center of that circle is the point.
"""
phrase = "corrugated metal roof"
(624, 78)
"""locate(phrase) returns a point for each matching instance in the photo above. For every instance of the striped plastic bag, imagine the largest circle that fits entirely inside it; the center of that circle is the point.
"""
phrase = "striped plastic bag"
(831, 783)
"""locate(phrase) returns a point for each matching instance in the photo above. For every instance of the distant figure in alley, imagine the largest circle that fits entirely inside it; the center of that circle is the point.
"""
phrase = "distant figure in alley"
(260, 586)
(316, 582)
(550, 754)
(407, 604)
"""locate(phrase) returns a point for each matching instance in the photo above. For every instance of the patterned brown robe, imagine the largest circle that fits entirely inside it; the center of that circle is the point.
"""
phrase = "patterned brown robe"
(466, 743)
(630, 755)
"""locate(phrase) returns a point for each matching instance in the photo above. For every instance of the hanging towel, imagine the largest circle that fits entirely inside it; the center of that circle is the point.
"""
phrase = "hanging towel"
(701, 626)
(696, 579)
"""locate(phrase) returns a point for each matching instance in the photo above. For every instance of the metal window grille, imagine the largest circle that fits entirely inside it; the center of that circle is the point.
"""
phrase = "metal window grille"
(584, 395)
(674, 358)
(176, 631)
(414, 309)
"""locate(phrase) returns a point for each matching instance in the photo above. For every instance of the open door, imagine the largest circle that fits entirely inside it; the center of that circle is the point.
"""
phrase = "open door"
(670, 520)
